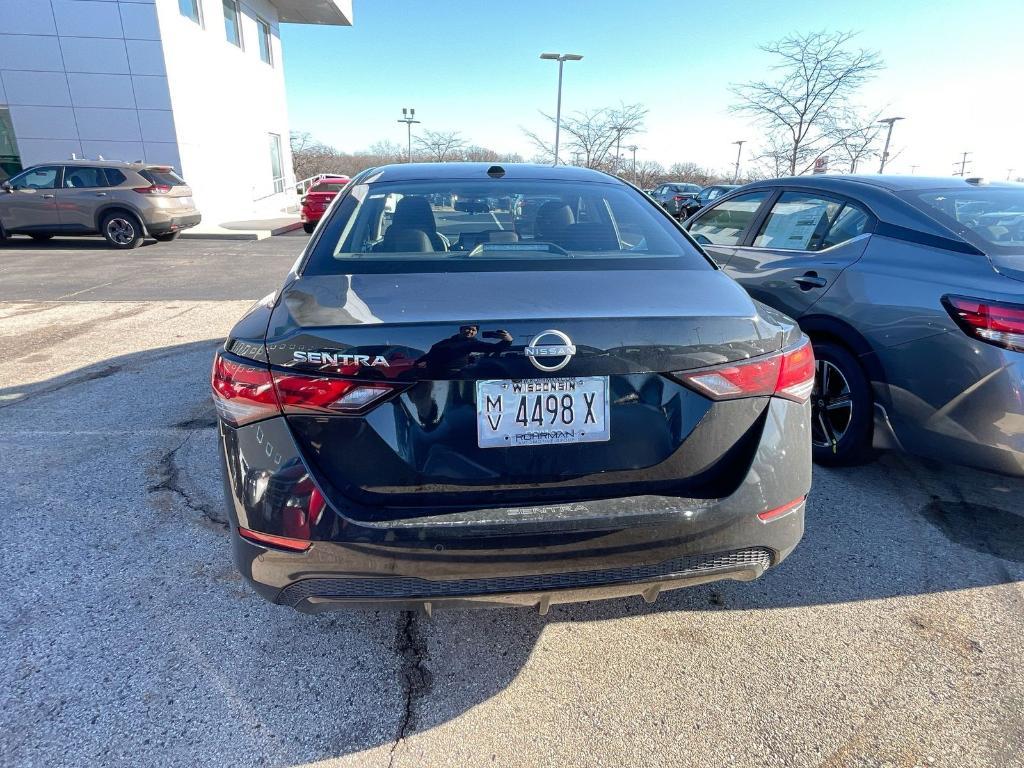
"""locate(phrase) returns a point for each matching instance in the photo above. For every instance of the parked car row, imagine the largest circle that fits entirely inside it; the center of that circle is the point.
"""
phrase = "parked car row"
(123, 202)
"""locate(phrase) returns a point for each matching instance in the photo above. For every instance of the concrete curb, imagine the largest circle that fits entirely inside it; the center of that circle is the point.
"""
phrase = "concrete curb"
(241, 234)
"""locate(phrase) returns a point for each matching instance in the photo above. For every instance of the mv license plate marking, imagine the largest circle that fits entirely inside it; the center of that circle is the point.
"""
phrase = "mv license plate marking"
(513, 413)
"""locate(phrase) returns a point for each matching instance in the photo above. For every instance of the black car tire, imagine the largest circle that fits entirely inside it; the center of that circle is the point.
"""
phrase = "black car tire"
(41, 238)
(308, 227)
(840, 436)
(167, 237)
(121, 230)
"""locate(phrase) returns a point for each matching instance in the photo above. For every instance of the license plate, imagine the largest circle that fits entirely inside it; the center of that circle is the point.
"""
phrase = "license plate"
(511, 413)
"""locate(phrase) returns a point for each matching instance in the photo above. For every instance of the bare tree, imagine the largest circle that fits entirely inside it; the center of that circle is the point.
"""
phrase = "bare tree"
(595, 135)
(439, 146)
(311, 157)
(818, 74)
(649, 173)
(692, 173)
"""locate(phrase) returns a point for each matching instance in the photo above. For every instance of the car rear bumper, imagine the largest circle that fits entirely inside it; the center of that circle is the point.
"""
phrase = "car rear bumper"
(311, 217)
(523, 555)
(976, 419)
(168, 224)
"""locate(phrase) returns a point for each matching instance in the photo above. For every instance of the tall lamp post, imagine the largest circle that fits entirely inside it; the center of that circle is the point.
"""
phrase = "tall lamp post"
(885, 152)
(739, 149)
(633, 148)
(409, 118)
(561, 58)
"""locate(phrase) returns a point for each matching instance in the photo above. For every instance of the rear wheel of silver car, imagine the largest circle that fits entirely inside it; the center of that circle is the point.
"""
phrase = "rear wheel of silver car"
(841, 407)
(121, 230)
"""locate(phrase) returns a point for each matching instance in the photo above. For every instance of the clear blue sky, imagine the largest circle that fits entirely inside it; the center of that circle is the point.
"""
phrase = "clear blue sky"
(954, 69)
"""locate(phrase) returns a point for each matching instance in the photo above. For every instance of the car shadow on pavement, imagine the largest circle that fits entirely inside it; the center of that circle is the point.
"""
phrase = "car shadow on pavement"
(203, 667)
(95, 243)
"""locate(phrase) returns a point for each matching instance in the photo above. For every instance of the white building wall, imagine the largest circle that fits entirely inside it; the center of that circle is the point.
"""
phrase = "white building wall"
(226, 103)
(138, 80)
(86, 77)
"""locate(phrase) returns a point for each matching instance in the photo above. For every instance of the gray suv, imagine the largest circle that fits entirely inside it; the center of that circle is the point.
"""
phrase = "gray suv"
(912, 291)
(121, 201)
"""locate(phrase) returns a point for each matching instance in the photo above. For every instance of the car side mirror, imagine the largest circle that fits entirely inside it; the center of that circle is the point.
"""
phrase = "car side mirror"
(6, 187)
(702, 239)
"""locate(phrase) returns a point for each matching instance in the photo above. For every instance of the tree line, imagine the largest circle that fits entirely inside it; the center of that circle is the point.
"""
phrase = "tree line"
(806, 111)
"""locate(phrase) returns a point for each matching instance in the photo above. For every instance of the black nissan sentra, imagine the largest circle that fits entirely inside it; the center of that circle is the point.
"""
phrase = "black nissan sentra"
(508, 385)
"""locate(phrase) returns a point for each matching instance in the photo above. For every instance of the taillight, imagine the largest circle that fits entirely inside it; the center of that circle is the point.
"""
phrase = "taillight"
(270, 540)
(788, 374)
(153, 189)
(247, 391)
(678, 198)
(993, 322)
(242, 392)
(301, 393)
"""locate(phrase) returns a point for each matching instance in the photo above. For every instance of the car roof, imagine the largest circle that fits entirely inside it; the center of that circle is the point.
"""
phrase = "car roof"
(84, 163)
(850, 183)
(469, 171)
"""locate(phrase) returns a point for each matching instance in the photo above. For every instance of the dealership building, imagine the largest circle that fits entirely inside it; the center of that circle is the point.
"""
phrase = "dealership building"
(196, 84)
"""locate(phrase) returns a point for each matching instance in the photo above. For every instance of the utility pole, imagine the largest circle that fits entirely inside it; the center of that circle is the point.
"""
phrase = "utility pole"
(633, 148)
(962, 162)
(888, 137)
(739, 149)
(561, 58)
(1009, 173)
(409, 118)
(913, 169)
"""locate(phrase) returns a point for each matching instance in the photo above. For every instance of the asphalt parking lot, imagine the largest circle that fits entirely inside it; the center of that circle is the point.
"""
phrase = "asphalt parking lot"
(893, 636)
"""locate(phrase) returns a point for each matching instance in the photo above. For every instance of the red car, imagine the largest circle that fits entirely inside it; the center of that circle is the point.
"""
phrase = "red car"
(318, 198)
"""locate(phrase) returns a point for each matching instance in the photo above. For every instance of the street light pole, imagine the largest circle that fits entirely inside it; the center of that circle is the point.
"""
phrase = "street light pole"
(888, 136)
(561, 58)
(409, 117)
(633, 148)
(739, 149)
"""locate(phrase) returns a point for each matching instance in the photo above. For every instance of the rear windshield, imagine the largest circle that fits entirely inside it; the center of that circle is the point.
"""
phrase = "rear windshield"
(495, 225)
(329, 186)
(990, 218)
(162, 177)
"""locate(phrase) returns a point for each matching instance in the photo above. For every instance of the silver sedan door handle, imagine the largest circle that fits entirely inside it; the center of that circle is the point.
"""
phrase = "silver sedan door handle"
(101, 194)
(47, 197)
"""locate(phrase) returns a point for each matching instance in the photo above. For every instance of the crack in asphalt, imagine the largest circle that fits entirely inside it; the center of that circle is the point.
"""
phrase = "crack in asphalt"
(416, 678)
(171, 482)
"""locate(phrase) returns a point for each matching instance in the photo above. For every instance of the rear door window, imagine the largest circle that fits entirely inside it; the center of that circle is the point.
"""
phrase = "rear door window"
(797, 222)
(726, 222)
(84, 178)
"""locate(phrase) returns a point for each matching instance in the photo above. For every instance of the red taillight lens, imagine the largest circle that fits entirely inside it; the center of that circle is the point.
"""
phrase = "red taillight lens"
(242, 392)
(993, 322)
(678, 198)
(247, 391)
(153, 189)
(796, 379)
(788, 374)
(300, 393)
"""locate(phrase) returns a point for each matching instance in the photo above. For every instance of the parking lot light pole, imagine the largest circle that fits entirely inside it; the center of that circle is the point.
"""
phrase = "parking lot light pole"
(633, 148)
(561, 58)
(409, 118)
(888, 136)
(739, 148)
